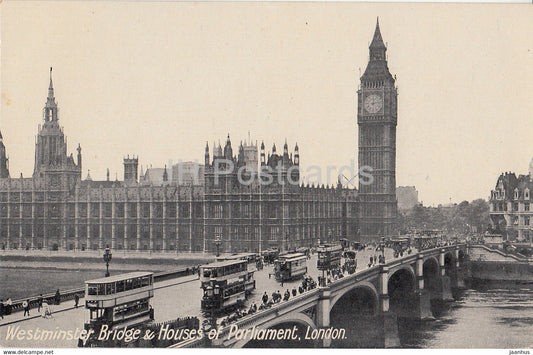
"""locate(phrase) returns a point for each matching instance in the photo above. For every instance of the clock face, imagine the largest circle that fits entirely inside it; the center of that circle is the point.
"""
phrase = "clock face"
(373, 103)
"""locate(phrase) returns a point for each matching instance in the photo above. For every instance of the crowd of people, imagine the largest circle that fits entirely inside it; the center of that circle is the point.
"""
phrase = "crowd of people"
(307, 284)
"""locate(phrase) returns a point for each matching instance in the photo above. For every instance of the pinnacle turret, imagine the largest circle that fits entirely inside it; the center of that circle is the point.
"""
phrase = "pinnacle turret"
(377, 40)
(377, 70)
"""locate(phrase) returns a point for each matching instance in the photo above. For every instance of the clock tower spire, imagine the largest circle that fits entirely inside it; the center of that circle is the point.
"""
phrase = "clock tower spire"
(377, 120)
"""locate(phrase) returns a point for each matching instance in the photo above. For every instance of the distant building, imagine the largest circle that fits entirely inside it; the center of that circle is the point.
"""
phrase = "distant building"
(407, 197)
(155, 176)
(188, 174)
(510, 207)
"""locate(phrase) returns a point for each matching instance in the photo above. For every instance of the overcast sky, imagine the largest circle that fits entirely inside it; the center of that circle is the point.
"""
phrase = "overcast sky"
(160, 79)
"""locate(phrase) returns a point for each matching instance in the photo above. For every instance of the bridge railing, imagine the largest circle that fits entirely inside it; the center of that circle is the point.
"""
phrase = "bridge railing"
(275, 309)
(251, 318)
(69, 294)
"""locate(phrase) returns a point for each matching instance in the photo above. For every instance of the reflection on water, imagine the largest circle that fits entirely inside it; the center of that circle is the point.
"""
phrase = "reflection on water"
(488, 316)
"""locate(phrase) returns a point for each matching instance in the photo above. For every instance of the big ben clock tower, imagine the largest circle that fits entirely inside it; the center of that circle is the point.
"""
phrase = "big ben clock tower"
(377, 118)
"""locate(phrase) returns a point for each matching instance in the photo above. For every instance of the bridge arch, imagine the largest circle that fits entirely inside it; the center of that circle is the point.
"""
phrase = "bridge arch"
(431, 275)
(363, 286)
(286, 321)
(449, 264)
(401, 287)
(462, 256)
(403, 270)
(355, 310)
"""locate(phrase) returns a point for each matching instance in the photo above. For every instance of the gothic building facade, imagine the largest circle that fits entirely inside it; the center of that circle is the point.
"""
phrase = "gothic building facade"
(377, 120)
(233, 208)
(511, 212)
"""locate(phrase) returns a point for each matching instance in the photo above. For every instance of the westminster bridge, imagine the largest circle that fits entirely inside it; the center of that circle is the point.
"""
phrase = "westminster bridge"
(371, 300)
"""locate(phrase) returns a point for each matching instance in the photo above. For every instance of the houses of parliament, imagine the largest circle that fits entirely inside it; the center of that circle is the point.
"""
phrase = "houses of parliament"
(202, 208)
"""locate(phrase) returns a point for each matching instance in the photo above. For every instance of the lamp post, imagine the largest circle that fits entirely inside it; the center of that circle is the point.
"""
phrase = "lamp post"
(217, 243)
(107, 259)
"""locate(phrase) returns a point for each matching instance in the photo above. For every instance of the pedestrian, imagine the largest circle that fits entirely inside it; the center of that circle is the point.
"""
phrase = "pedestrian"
(265, 298)
(2, 308)
(40, 302)
(47, 312)
(8, 306)
(57, 297)
(294, 292)
(282, 282)
(287, 295)
(76, 300)
(26, 305)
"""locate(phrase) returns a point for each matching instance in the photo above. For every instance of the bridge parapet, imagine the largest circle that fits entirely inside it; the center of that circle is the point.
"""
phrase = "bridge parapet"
(265, 318)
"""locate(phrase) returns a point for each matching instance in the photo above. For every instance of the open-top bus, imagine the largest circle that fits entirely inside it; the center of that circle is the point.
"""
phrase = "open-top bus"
(290, 266)
(119, 301)
(329, 256)
(226, 284)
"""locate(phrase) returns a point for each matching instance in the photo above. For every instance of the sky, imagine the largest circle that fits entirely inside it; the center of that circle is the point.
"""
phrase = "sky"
(159, 79)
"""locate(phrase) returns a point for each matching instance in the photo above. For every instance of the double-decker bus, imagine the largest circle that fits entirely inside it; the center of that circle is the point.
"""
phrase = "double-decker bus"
(119, 301)
(290, 266)
(329, 256)
(270, 255)
(226, 284)
(252, 259)
(304, 250)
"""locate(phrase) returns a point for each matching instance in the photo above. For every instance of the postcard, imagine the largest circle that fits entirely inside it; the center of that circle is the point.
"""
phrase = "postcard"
(265, 175)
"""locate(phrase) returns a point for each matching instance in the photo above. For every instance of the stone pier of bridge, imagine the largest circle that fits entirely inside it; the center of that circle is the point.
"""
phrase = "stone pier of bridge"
(368, 303)
(418, 303)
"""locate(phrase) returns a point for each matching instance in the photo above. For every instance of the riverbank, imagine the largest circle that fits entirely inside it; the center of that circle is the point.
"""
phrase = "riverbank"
(93, 260)
(25, 274)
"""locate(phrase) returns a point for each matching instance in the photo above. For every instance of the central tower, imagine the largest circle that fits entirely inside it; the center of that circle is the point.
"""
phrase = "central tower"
(377, 118)
(52, 164)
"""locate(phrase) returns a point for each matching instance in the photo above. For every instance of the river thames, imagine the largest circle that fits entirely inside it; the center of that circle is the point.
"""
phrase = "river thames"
(489, 316)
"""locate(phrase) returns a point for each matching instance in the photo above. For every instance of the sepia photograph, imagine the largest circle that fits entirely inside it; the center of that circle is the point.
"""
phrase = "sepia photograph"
(255, 174)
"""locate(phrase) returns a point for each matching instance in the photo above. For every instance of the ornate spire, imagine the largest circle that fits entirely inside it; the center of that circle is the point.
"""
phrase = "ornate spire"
(377, 69)
(51, 86)
(50, 109)
(377, 41)
(165, 174)
(50, 100)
